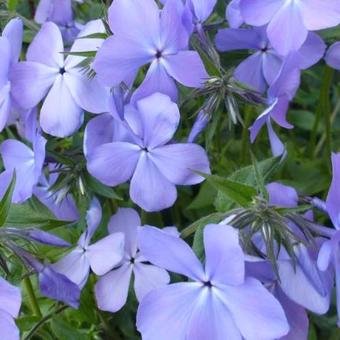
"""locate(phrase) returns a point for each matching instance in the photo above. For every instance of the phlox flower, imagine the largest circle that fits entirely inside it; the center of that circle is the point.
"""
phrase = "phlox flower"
(27, 164)
(162, 43)
(10, 48)
(333, 56)
(112, 289)
(10, 302)
(60, 12)
(329, 255)
(55, 77)
(280, 93)
(289, 21)
(100, 257)
(263, 66)
(140, 151)
(219, 302)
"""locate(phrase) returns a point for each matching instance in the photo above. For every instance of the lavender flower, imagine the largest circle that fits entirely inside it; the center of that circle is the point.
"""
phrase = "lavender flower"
(10, 302)
(112, 289)
(101, 256)
(333, 56)
(219, 302)
(26, 163)
(144, 155)
(289, 21)
(233, 14)
(61, 13)
(262, 68)
(10, 48)
(57, 78)
(163, 43)
(280, 93)
(329, 252)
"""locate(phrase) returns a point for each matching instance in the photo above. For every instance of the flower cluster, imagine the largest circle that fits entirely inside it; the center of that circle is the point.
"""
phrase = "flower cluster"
(97, 147)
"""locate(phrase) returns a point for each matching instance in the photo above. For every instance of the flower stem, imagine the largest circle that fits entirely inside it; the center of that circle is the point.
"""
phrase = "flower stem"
(31, 296)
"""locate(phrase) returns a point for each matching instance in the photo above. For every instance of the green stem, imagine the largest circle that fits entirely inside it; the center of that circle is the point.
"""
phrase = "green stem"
(31, 296)
(323, 108)
(245, 136)
(43, 321)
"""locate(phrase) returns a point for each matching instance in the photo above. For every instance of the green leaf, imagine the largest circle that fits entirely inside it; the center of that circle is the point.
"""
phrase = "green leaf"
(239, 193)
(100, 188)
(94, 36)
(63, 330)
(32, 213)
(12, 5)
(198, 244)
(6, 201)
(89, 54)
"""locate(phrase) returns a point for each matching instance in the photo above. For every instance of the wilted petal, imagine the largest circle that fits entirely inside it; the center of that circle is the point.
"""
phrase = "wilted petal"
(229, 39)
(177, 66)
(93, 218)
(58, 287)
(176, 303)
(148, 278)
(60, 118)
(169, 252)
(113, 163)
(178, 162)
(151, 190)
(106, 253)
(112, 289)
(46, 238)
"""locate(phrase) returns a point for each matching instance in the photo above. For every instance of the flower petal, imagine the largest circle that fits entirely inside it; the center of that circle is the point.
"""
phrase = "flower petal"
(8, 327)
(106, 253)
(319, 14)
(177, 67)
(50, 41)
(148, 278)
(177, 162)
(333, 56)
(169, 252)
(251, 305)
(14, 32)
(10, 298)
(333, 197)
(60, 118)
(149, 188)
(224, 258)
(23, 75)
(113, 163)
(126, 221)
(75, 266)
(112, 289)
(176, 303)
(159, 118)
